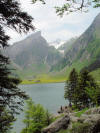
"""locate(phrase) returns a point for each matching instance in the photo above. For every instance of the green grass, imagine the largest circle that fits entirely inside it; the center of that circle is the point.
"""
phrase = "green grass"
(57, 77)
(44, 79)
(32, 71)
(77, 127)
(78, 114)
(63, 131)
(60, 76)
(96, 75)
(41, 81)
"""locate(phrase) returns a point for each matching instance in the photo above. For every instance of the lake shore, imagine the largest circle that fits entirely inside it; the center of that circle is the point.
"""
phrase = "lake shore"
(42, 81)
(49, 95)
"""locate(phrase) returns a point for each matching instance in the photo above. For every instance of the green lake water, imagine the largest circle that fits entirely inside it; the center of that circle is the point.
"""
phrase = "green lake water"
(51, 96)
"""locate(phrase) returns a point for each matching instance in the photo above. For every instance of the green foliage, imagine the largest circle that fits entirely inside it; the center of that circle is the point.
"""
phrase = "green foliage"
(75, 5)
(71, 88)
(6, 120)
(79, 113)
(11, 97)
(63, 131)
(89, 89)
(81, 90)
(36, 117)
(77, 127)
(96, 75)
(80, 128)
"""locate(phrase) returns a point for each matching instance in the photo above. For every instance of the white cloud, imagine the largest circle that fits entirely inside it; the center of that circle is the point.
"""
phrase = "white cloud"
(62, 35)
(52, 26)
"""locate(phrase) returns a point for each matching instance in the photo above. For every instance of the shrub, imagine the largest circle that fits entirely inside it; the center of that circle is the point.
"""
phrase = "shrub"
(36, 118)
(80, 128)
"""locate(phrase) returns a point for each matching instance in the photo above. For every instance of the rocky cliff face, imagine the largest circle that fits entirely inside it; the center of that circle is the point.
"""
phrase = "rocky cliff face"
(33, 53)
(86, 49)
(85, 40)
(33, 49)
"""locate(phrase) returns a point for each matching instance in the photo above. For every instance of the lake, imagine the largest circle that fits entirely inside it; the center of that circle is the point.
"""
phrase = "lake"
(51, 96)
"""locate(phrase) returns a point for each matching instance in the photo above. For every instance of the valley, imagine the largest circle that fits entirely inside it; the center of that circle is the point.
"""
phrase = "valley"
(36, 61)
(49, 66)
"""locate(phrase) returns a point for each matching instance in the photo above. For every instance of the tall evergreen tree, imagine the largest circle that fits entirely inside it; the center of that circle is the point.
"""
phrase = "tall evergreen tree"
(71, 88)
(81, 90)
(83, 84)
(89, 90)
(85, 79)
(11, 97)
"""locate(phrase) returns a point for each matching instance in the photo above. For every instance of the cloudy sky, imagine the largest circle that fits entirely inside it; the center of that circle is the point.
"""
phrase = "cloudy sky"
(52, 26)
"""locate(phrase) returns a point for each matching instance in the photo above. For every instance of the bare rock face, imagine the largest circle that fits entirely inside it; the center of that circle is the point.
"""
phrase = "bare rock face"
(61, 123)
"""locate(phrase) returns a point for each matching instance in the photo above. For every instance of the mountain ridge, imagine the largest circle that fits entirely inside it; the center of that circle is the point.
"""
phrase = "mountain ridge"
(85, 50)
(82, 53)
(31, 53)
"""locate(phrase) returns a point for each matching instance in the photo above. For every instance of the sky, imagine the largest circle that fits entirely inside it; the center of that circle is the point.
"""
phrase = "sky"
(52, 26)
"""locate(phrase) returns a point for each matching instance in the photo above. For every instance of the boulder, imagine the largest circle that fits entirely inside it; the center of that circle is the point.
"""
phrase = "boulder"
(74, 119)
(92, 118)
(61, 123)
(64, 109)
(93, 111)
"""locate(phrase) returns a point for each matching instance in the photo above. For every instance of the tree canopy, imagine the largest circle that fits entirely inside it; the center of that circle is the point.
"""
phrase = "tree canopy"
(36, 118)
(74, 5)
(77, 5)
(81, 90)
(11, 97)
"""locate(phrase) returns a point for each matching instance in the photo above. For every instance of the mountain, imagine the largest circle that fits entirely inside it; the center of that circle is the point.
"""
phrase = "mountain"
(57, 43)
(33, 55)
(84, 51)
(66, 46)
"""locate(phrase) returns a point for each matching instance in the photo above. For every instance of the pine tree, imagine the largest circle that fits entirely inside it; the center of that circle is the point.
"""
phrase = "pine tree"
(71, 88)
(93, 91)
(11, 97)
(81, 90)
(89, 90)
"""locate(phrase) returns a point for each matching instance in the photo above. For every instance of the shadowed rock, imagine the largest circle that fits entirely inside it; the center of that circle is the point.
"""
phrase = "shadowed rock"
(61, 123)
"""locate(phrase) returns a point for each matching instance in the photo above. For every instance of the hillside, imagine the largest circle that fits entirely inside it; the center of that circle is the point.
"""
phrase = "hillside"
(64, 48)
(67, 45)
(84, 51)
(32, 56)
(35, 59)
